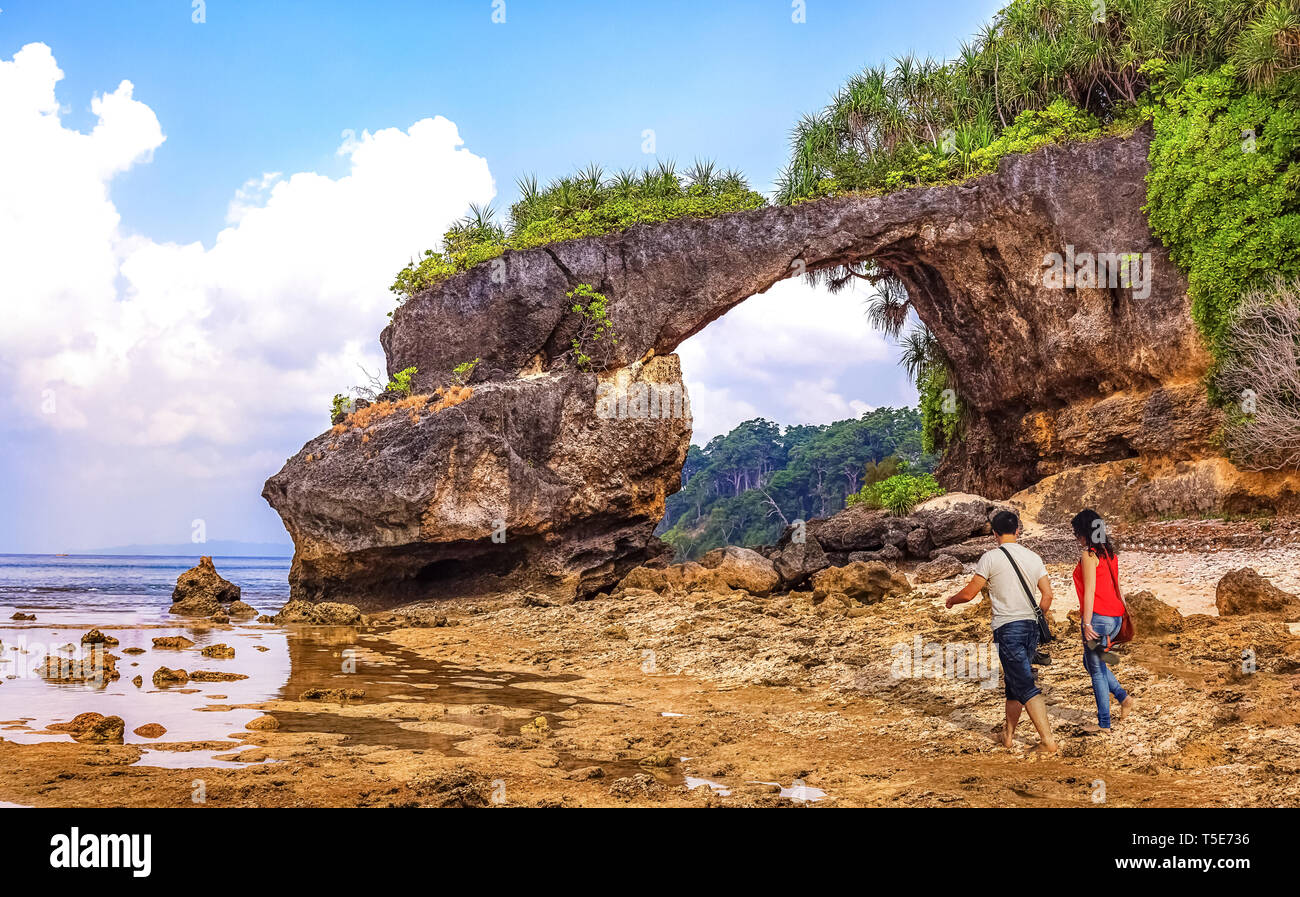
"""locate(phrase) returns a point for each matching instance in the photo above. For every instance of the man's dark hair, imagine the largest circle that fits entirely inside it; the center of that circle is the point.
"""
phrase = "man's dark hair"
(1005, 523)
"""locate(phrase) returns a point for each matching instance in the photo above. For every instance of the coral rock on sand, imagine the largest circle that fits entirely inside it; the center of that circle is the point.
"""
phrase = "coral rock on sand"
(164, 676)
(241, 609)
(93, 728)
(95, 637)
(222, 650)
(138, 681)
(1246, 592)
(22, 616)
(864, 581)
(265, 721)
(945, 566)
(150, 730)
(201, 590)
(173, 641)
(326, 613)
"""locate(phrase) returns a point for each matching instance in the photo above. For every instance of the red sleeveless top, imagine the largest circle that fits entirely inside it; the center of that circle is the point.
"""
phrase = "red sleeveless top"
(1106, 599)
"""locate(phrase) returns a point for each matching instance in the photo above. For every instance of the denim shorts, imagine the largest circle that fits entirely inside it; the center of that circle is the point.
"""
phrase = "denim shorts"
(1017, 642)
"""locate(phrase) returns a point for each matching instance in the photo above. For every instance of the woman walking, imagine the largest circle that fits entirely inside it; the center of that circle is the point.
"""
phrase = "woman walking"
(1101, 610)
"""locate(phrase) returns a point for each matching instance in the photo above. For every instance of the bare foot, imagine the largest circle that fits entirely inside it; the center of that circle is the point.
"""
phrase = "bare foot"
(1129, 706)
(1045, 747)
(1002, 737)
(1094, 729)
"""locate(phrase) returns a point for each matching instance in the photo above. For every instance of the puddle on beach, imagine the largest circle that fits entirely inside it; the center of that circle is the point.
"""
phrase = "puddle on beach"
(293, 661)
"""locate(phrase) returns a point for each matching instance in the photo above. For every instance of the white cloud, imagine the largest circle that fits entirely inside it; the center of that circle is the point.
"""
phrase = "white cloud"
(790, 355)
(201, 351)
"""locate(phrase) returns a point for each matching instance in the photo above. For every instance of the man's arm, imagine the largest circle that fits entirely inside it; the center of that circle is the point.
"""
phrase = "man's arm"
(973, 588)
(1045, 589)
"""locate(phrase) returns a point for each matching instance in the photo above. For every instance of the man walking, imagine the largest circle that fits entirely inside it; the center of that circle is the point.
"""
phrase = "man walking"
(1015, 625)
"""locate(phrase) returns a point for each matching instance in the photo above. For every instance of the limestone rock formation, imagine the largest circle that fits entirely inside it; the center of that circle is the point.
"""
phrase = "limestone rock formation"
(569, 470)
(200, 591)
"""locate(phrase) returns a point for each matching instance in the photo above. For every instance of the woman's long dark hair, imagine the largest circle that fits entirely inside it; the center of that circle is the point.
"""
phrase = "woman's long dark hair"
(1089, 527)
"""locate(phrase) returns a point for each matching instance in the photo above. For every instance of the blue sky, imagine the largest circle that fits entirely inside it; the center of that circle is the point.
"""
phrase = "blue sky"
(264, 88)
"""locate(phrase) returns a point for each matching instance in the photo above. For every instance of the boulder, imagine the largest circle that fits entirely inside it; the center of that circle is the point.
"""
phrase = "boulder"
(796, 561)
(262, 723)
(95, 637)
(93, 728)
(221, 650)
(326, 613)
(743, 568)
(955, 524)
(1244, 591)
(150, 730)
(945, 566)
(860, 528)
(201, 590)
(176, 642)
(966, 552)
(1152, 616)
(241, 609)
(866, 582)
(888, 554)
(165, 676)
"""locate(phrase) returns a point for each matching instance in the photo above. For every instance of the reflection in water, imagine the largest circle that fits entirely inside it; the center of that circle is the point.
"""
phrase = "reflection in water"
(281, 664)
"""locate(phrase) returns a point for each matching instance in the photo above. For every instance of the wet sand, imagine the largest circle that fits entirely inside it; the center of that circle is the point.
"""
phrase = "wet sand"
(696, 699)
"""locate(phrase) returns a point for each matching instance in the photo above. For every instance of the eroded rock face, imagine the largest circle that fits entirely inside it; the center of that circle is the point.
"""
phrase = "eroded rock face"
(544, 482)
(1052, 377)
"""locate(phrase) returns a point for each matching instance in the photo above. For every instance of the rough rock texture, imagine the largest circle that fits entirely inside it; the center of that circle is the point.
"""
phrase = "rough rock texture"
(1246, 592)
(93, 728)
(743, 568)
(1151, 616)
(945, 566)
(867, 582)
(201, 591)
(523, 484)
(324, 613)
(1052, 378)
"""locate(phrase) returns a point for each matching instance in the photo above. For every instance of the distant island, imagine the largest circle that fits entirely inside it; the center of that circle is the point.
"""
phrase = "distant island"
(213, 547)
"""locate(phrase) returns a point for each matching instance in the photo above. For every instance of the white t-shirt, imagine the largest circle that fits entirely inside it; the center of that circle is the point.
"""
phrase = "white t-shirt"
(1007, 594)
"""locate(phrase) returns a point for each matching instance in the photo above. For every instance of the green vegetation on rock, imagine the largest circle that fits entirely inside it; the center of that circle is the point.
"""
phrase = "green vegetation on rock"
(898, 494)
(586, 204)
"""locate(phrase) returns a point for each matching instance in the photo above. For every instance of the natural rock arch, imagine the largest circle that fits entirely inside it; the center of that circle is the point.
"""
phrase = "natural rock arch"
(1051, 377)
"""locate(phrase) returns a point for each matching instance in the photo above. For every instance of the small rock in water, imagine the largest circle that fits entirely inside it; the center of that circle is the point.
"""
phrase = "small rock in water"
(332, 694)
(22, 616)
(215, 676)
(95, 637)
(265, 721)
(133, 650)
(219, 650)
(201, 590)
(138, 681)
(241, 609)
(165, 676)
(173, 641)
(150, 730)
(93, 728)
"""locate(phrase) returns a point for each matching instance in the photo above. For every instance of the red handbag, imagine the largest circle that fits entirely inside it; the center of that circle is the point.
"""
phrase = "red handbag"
(1126, 630)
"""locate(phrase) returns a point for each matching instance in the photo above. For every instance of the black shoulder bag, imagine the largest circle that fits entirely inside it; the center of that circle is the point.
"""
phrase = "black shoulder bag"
(1044, 630)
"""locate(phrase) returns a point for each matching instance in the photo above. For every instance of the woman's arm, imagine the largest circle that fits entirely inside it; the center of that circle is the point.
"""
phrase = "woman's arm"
(1089, 564)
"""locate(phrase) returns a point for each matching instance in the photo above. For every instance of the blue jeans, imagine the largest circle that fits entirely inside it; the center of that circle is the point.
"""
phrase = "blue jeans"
(1104, 683)
(1017, 641)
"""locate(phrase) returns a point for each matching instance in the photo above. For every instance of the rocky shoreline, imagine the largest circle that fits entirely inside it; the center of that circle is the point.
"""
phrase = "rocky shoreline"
(704, 685)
